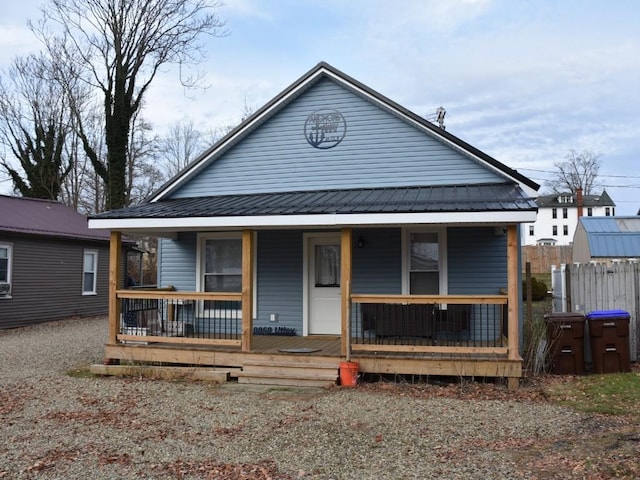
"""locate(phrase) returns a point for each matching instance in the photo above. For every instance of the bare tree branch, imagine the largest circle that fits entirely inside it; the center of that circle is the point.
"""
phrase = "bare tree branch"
(579, 170)
(122, 44)
(182, 144)
(34, 126)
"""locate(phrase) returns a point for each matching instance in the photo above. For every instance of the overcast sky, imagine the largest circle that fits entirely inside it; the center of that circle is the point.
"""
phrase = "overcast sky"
(524, 81)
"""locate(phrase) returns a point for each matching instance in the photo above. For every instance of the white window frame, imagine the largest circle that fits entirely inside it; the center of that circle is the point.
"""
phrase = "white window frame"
(93, 253)
(442, 257)
(9, 248)
(200, 267)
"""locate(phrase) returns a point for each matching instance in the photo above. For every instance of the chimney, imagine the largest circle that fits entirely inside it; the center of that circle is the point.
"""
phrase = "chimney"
(579, 200)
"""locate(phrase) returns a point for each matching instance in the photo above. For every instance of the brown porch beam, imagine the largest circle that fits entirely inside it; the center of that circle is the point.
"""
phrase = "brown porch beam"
(513, 281)
(115, 278)
(345, 283)
(247, 289)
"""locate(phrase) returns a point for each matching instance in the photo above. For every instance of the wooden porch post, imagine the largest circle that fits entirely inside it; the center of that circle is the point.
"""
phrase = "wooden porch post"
(115, 278)
(345, 283)
(247, 289)
(513, 279)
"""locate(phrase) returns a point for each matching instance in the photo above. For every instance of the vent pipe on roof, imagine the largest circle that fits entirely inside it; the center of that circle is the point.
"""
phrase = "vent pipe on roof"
(579, 200)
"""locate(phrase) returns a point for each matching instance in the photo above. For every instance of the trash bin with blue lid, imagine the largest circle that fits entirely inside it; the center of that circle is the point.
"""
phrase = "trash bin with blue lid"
(609, 335)
(565, 342)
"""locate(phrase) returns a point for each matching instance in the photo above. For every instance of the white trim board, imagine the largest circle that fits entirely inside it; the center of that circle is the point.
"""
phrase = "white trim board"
(330, 220)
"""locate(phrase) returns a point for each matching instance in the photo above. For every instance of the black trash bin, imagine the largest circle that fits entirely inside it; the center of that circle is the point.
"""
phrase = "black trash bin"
(565, 337)
(609, 335)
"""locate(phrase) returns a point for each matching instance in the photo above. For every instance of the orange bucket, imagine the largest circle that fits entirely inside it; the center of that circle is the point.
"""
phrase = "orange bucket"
(348, 374)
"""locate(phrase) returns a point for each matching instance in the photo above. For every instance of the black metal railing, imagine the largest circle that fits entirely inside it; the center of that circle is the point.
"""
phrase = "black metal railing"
(457, 324)
(219, 319)
(428, 324)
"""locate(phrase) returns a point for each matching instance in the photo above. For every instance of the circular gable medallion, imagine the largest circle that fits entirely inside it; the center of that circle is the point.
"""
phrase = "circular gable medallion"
(325, 128)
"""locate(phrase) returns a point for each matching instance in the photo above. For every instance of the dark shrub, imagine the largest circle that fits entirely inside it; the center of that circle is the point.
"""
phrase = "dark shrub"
(538, 289)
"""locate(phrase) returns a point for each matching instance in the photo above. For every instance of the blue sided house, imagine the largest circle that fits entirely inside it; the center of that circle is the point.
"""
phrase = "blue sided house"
(332, 226)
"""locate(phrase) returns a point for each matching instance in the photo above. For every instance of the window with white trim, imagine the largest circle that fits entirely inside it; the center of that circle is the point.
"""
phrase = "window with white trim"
(90, 272)
(5, 269)
(531, 230)
(425, 262)
(221, 269)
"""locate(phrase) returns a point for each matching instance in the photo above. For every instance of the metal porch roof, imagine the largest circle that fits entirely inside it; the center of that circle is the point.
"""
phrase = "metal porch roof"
(449, 198)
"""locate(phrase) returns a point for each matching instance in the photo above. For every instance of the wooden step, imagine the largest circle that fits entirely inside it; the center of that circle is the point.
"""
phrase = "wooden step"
(164, 373)
(288, 373)
(284, 381)
(286, 368)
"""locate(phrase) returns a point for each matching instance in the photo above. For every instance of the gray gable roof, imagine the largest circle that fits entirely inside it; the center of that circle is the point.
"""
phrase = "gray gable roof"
(457, 198)
(45, 217)
(326, 71)
(551, 200)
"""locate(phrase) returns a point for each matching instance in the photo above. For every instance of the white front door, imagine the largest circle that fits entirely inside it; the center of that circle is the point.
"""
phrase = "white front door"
(324, 296)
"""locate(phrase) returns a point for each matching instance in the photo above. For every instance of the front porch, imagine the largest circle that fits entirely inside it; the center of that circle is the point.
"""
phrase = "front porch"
(452, 335)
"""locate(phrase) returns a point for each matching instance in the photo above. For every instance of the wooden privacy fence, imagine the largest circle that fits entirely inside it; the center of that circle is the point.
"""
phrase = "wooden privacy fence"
(542, 257)
(585, 287)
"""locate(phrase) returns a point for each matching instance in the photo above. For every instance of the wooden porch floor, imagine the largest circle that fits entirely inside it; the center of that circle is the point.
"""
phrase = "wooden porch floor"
(314, 345)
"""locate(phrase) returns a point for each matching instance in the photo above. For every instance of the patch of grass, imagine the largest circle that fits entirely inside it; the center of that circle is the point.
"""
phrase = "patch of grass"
(80, 372)
(611, 394)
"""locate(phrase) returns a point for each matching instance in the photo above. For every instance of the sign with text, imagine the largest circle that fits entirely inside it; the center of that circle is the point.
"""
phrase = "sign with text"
(325, 128)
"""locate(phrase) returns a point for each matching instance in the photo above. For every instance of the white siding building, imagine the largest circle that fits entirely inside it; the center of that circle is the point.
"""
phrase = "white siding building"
(558, 217)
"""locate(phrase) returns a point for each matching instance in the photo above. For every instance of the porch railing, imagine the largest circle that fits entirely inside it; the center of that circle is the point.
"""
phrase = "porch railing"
(473, 324)
(163, 315)
(437, 324)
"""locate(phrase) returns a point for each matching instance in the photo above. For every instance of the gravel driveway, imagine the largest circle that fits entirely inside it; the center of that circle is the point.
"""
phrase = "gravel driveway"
(55, 425)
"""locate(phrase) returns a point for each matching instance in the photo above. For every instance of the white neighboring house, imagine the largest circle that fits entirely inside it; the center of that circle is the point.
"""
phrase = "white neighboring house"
(558, 215)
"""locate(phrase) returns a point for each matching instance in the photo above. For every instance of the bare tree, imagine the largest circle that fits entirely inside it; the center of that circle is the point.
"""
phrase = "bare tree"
(180, 146)
(215, 134)
(34, 126)
(143, 174)
(184, 142)
(83, 189)
(122, 44)
(579, 170)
